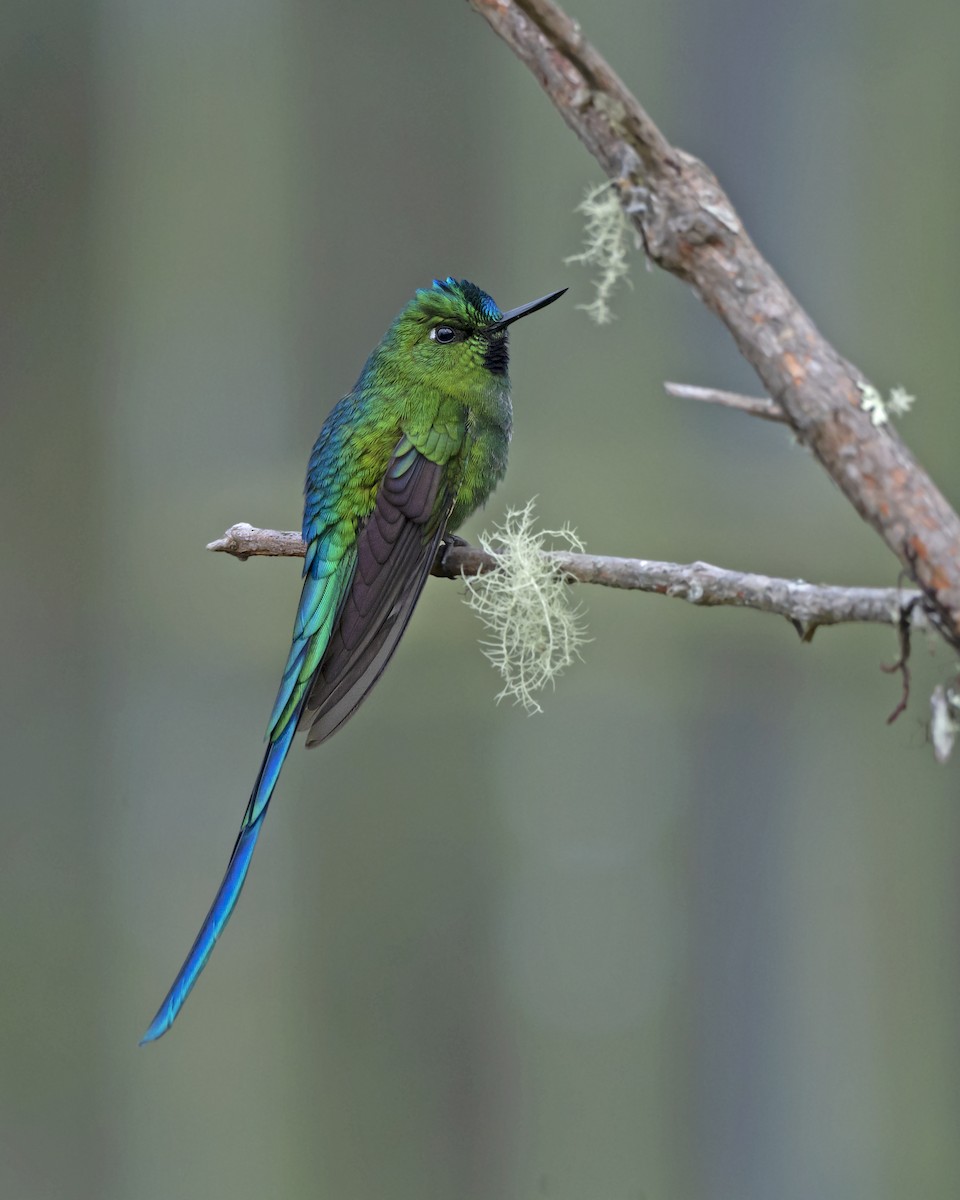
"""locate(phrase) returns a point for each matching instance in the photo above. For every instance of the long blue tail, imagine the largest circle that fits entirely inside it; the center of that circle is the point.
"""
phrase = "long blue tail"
(229, 891)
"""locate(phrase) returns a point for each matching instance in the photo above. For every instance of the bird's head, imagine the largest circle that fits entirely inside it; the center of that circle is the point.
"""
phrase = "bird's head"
(452, 335)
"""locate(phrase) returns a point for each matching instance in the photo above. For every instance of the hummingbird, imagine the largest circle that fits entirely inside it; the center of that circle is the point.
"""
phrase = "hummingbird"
(401, 461)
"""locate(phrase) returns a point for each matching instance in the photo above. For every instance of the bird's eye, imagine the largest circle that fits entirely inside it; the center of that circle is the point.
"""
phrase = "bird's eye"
(444, 334)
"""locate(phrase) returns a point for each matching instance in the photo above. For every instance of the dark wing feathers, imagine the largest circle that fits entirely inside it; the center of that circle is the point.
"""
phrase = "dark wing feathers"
(395, 550)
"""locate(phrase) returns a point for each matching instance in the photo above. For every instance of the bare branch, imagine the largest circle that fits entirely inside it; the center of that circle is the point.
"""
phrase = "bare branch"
(689, 227)
(243, 541)
(757, 406)
(806, 605)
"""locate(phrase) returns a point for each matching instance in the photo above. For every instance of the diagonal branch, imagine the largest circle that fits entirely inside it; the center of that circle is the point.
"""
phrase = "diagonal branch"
(806, 605)
(690, 228)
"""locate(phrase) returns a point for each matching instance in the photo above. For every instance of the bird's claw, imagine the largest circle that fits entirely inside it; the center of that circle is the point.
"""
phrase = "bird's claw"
(449, 541)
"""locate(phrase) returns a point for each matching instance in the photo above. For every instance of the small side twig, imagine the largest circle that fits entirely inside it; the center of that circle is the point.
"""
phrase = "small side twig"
(756, 406)
(903, 662)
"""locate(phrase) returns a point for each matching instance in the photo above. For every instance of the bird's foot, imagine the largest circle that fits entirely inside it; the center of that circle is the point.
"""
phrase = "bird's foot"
(449, 541)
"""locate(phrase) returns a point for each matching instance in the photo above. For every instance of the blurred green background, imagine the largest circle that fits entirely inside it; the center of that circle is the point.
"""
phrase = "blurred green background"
(691, 933)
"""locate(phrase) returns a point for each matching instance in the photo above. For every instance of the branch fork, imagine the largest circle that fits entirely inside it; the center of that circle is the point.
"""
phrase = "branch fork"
(689, 227)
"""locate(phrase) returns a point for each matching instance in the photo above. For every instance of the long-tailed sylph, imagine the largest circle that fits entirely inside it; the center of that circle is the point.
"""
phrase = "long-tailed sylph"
(403, 459)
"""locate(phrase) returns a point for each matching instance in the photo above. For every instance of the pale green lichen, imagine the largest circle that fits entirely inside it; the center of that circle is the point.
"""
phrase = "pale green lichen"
(879, 410)
(534, 629)
(944, 721)
(900, 401)
(606, 244)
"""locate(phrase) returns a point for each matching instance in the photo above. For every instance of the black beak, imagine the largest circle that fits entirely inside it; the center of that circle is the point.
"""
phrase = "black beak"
(515, 314)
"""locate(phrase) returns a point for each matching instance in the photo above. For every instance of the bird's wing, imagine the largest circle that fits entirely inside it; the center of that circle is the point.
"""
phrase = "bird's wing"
(394, 551)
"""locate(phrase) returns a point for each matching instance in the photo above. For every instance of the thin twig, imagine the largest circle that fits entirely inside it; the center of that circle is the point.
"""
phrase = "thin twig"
(245, 541)
(757, 406)
(903, 662)
(806, 605)
(689, 227)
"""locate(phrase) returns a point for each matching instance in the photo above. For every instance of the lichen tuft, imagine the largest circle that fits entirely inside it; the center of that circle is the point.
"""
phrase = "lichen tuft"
(534, 630)
(605, 246)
